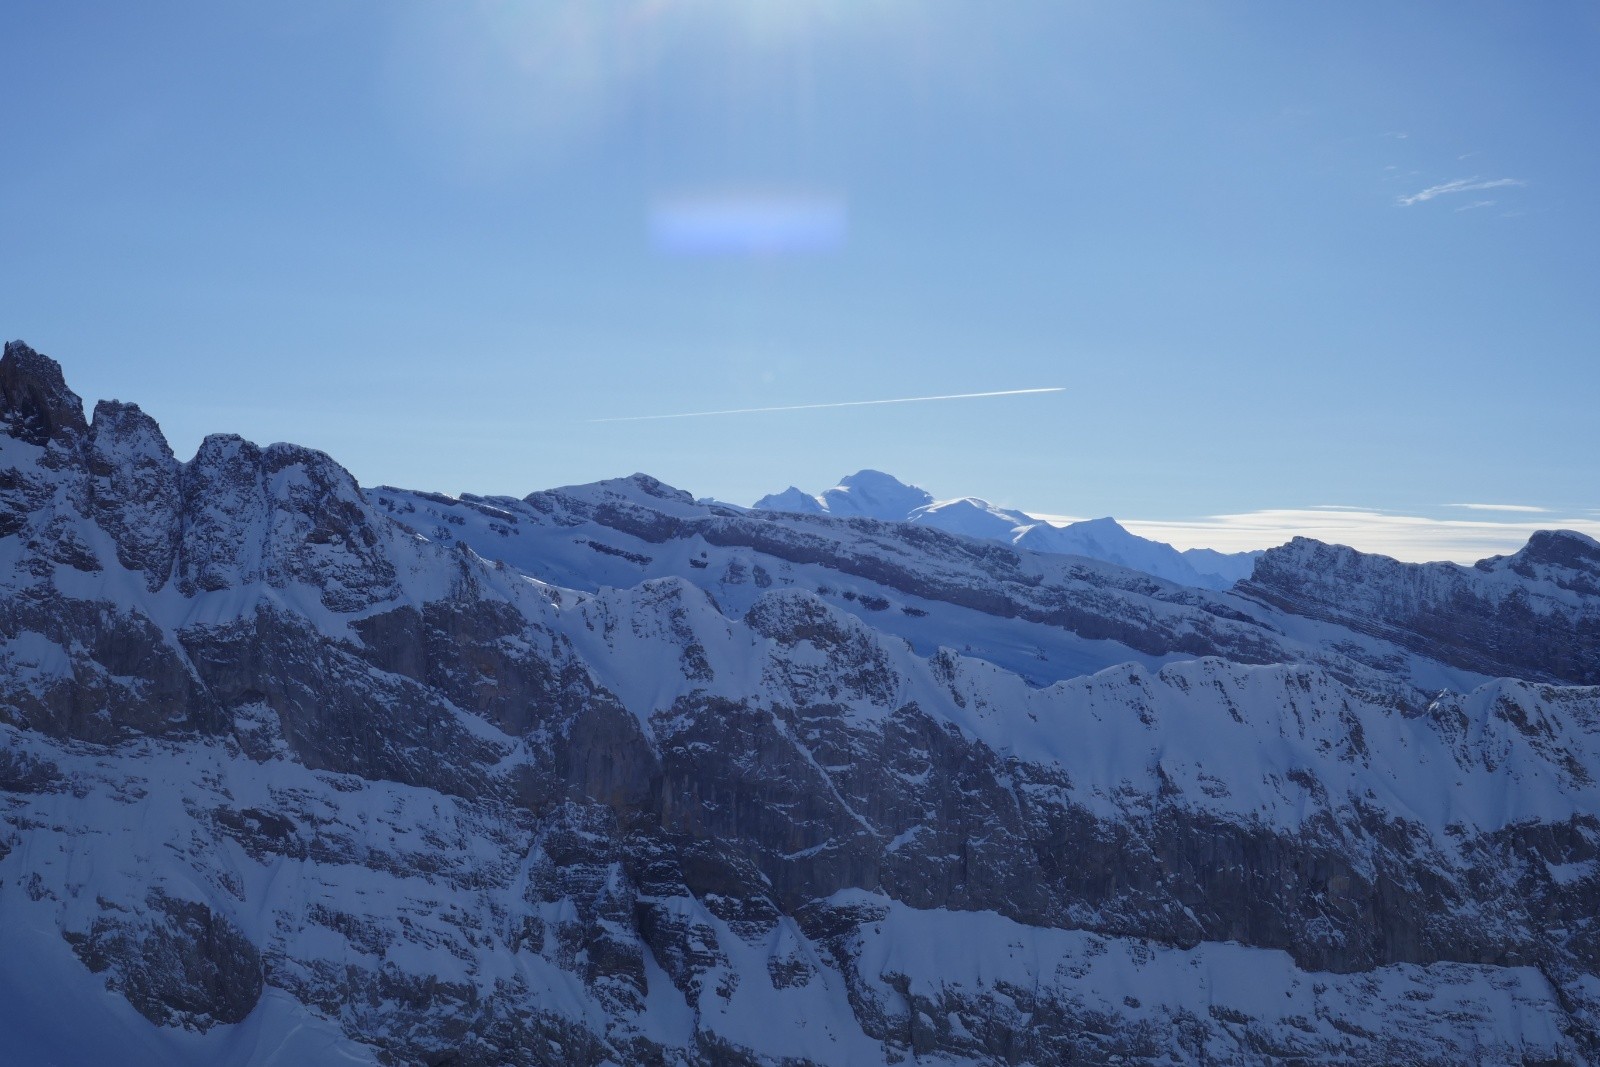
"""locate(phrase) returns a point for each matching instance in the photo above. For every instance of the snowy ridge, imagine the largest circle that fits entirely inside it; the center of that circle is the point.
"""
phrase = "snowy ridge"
(1535, 613)
(294, 772)
(873, 494)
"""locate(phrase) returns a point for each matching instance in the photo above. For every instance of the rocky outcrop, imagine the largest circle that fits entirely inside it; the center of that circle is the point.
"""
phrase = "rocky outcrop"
(134, 490)
(1535, 614)
(283, 515)
(177, 962)
(35, 402)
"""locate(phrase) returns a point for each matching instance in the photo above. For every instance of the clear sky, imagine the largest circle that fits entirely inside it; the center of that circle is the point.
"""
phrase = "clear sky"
(1276, 256)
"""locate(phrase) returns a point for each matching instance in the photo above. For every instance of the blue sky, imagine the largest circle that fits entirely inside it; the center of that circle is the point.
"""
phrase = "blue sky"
(1277, 256)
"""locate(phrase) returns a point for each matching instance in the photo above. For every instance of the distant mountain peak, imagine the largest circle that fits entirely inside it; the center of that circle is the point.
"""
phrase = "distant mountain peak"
(1566, 547)
(1566, 557)
(867, 478)
(867, 493)
(791, 499)
(875, 494)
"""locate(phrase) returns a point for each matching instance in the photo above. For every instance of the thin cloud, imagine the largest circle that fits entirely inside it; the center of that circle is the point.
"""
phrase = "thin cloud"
(834, 404)
(1413, 538)
(1408, 537)
(1529, 508)
(1475, 205)
(1459, 185)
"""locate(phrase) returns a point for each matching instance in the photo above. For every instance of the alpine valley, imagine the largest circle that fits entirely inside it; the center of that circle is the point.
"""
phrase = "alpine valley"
(297, 772)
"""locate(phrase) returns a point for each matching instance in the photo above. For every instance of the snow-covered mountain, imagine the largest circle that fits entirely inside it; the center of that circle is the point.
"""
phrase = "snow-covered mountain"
(866, 494)
(297, 772)
(876, 495)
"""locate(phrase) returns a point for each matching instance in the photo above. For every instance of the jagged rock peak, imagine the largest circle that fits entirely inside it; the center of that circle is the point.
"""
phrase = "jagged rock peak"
(134, 493)
(223, 450)
(119, 425)
(282, 454)
(34, 398)
(284, 513)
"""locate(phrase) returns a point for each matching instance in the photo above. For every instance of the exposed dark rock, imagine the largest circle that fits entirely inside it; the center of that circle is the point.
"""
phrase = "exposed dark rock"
(179, 963)
(1470, 617)
(35, 402)
(133, 489)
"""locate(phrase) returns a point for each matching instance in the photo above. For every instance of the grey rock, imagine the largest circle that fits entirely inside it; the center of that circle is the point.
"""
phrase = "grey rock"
(134, 491)
(1535, 614)
(35, 402)
(179, 963)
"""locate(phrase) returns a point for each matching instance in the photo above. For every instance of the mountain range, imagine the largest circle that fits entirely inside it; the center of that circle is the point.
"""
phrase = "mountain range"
(298, 771)
(874, 495)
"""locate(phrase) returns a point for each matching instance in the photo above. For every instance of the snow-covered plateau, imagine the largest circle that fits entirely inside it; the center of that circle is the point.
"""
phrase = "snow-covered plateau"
(297, 772)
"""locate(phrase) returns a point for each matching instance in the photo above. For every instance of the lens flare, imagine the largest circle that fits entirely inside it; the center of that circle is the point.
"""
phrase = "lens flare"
(748, 224)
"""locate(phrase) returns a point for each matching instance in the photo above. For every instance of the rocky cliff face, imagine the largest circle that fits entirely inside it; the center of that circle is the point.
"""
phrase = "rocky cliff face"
(605, 775)
(1535, 614)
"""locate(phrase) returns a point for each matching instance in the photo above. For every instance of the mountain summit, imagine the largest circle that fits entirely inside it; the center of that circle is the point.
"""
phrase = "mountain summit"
(867, 493)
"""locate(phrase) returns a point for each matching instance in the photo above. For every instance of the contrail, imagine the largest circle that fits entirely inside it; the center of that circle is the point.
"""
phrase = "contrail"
(836, 404)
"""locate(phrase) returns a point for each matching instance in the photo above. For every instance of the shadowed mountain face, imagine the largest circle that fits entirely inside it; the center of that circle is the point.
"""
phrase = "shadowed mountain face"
(873, 494)
(606, 775)
(1535, 614)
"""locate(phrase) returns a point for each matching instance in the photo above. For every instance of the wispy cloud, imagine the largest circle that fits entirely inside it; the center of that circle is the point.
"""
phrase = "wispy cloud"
(1475, 205)
(1529, 508)
(1409, 537)
(1459, 185)
(834, 404)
